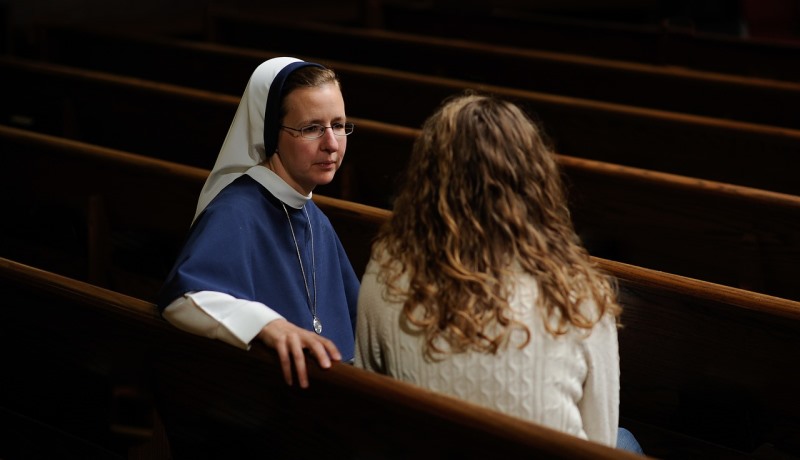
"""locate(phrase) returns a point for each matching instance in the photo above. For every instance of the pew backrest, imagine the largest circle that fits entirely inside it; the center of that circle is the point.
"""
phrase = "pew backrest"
(750, 99)
(194, 383)
(677, 328)
(729, 234)
(646, 43)
(691, 145)
(709, 361)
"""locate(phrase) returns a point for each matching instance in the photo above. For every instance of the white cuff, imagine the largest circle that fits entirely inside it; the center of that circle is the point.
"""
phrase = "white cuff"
(220, 316)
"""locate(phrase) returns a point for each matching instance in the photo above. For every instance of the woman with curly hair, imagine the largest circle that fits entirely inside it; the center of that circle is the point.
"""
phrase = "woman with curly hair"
(478, 286)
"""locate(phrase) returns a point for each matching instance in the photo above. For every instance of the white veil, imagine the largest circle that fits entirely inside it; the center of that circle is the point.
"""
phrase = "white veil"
(244, 145)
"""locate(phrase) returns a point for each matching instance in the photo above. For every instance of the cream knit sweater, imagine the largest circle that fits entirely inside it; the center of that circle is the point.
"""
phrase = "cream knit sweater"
(569, 383)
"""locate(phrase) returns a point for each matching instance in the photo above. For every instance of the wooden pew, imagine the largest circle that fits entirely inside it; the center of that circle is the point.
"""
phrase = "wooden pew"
(691, 145)
(166, 121)
(704, 366)
(645, 43)
(93, 338)
(686, 325)
(755, 100)
(708, 361)
(730, 235)
(115, 218)
(189, 125)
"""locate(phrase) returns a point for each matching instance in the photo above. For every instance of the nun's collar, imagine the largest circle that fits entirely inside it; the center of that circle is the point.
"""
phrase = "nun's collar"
(278, 187)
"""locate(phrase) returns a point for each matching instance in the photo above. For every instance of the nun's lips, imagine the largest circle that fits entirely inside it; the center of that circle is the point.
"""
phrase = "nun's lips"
(327, 164)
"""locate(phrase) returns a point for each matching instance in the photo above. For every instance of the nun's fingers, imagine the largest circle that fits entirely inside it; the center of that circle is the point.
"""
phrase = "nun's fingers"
(296, 345)
(324, 350)
(277, 334)
(286, 362)
(290, 341)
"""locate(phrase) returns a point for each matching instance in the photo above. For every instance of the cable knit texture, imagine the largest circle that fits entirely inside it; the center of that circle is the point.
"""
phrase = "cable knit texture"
(569, 382)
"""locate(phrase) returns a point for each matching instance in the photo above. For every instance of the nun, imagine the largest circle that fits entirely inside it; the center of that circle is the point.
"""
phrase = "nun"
(261, 261)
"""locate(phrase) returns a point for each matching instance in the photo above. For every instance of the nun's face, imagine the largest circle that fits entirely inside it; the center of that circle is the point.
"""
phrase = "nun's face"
(305, 163)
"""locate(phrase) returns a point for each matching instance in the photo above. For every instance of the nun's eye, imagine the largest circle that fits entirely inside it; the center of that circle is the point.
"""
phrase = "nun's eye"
(316, 131)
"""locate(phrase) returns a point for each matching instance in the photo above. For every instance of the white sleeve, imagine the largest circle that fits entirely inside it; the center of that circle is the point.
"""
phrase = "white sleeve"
(600, 404)
(220, 316)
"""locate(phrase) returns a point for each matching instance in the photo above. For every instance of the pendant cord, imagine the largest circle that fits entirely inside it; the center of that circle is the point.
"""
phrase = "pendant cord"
(312, 305)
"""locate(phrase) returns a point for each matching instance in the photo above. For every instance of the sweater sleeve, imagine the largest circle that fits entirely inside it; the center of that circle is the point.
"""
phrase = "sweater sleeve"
(368, 348)
(600, 403)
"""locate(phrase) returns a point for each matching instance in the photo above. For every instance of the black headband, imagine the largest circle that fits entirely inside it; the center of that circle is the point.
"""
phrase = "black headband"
(272, 110)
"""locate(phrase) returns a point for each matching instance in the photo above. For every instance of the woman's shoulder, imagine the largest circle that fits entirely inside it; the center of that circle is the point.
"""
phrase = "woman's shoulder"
(243, 194)
(239, 204)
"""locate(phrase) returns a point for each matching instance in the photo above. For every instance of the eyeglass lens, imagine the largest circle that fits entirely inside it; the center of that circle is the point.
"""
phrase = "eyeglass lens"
(317, 131)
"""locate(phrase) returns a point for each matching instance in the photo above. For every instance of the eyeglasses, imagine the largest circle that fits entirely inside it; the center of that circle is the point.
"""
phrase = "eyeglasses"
(317, 131)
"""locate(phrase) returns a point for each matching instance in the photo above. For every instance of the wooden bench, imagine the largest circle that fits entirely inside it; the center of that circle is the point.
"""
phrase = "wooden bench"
(710, 362)
(691, 145)
(706, 369)
(730, 235)
(736, 97)
(645, 43)
(686, 337)
(114, 218)
(114, 355)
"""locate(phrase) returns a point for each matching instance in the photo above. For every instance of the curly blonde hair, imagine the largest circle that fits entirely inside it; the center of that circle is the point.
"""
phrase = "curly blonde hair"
(483, 192)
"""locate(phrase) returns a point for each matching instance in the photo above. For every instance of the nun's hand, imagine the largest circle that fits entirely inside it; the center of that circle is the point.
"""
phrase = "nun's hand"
(290, 340)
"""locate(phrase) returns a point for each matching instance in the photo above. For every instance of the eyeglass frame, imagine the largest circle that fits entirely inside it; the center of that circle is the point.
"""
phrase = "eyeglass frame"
(321, 132)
